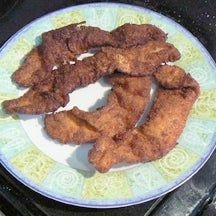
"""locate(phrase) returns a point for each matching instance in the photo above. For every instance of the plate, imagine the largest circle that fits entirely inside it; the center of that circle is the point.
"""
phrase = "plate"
(61, 172)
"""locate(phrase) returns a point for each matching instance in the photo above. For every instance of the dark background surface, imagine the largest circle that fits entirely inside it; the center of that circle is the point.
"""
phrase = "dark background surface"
(196, 197)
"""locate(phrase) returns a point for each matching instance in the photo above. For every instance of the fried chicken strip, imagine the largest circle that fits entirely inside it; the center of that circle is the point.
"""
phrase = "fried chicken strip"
(66, 43)
(140, 60)
(137, 61)
(129, 35)
(158, 135)
(38, 99)
(32, 70)
(126, 103)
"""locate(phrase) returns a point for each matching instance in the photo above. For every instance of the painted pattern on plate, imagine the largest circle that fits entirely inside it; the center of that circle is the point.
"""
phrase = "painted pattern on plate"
(176, 162)
(65, 180)
(205, 107)
(107, 186)
(33, 163)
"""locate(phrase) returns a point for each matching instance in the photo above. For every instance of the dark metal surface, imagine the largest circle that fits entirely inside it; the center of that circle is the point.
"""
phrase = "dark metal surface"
(192, 197)
(196, 197)
(6, 6)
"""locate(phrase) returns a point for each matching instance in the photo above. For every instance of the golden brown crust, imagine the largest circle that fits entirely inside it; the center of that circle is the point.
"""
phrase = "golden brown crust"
(174, 78)
(38, 99)
(66, 127)
(66, 43)
(158, 135)
(129, 35)
(142, 60)
(35, 103)
(31, 71)
(125, 105)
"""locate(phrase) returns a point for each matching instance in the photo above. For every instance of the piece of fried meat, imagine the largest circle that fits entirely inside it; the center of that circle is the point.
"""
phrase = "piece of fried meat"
(129, 35)
(64, 44)
(158, 135)
(126, 103)
(141, 60)
(32, 70)
(38, 99)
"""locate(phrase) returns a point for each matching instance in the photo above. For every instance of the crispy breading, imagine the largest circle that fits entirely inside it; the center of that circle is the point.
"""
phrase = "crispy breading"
(129, 35)
(159, 134)
(38, 99)
(141, 60)
(65, 127)
(174, 78)
(66, 43)
(126, 103)
(32, 69)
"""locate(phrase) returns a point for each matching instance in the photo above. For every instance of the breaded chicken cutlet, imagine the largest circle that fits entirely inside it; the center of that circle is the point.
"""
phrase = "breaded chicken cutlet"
(32, 70)
(64, 44)
(158, 135)
(53, 92)
(126, 103)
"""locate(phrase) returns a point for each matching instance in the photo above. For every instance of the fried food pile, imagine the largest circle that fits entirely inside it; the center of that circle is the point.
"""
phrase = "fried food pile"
(66, 43)
(52, 93)
(131, 57)
(158, 135)
(126, 103)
